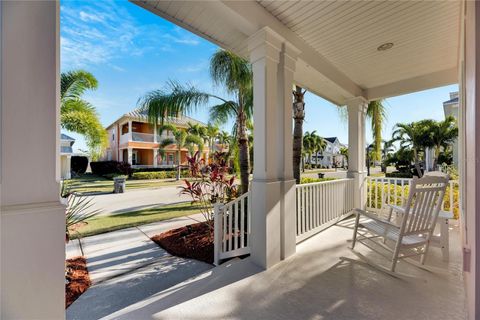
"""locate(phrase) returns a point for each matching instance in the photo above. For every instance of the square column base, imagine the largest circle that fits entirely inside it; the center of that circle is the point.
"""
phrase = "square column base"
(266, 215)
(288, 219)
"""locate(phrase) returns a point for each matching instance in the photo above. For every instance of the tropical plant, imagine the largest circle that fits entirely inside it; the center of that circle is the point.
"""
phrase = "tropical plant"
(211, 133)
(377, 114)
(79, 209)
(344, 153)
(231, 72)
(224, 139)
(313, 143)
(298, 118)
(210, 184)
(181, 140)
(77, 114)
(415, 135)
(443, 135)
(387, 149)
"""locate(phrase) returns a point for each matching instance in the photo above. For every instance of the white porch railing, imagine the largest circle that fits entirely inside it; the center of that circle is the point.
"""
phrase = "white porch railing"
(322, 204)
(232, 228)
(382, 191)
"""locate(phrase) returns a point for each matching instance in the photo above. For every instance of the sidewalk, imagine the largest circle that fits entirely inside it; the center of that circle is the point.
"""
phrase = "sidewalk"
(125, 266)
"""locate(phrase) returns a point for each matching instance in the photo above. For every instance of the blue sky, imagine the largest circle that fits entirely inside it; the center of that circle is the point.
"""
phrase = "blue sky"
(131, 51)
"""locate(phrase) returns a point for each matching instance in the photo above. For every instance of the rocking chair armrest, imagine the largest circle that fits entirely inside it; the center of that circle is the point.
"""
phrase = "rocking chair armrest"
(396, 208)
(374, 217)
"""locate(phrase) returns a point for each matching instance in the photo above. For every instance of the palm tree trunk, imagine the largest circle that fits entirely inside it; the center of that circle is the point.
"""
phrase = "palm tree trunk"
(298, 116)
(178, 164)
(417, 163)
(243, 151)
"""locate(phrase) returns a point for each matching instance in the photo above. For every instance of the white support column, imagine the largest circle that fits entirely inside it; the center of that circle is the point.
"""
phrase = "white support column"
(265, 47)
(32, 220)
(129, 155)
(155, 140)
(288, 59)
(357, 109)
(155, 157)
(130, 130)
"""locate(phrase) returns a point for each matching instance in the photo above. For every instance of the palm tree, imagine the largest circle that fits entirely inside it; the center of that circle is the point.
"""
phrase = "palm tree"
(234, 74)
(414, 135)
(224, 139)
(387, 149)
(319, 145)
(377, 114)
(78, 115)
(298, 117)
(344, 153)
(212, 132)
(182, 139)
(443, 134)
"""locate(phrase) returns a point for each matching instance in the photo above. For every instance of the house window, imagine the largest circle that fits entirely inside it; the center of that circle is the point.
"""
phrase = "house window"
(170, 159)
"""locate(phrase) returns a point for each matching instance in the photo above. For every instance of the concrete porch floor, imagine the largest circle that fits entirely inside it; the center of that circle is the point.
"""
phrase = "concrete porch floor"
(315, 284)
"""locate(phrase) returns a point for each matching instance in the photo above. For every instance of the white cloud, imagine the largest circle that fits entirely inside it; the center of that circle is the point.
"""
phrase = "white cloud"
(100, 32)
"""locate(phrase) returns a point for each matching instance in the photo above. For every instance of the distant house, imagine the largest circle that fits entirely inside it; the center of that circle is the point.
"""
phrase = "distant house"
(66, 152)
(134, 140)
(450, 108)
(330, 157)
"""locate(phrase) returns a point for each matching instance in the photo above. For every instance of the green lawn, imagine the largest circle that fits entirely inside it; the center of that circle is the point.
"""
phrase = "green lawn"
(104, 224)
(92, 184)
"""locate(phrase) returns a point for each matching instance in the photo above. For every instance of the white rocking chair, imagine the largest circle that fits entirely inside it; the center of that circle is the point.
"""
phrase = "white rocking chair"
(417, 221)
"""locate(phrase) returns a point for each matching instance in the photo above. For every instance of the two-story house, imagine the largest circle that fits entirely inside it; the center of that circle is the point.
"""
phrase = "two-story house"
(134, 140)
(330, 156)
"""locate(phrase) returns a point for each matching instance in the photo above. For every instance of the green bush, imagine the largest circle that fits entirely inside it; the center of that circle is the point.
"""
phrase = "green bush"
(399, 174)
(312, 180)
(151, 175)
(374, 196)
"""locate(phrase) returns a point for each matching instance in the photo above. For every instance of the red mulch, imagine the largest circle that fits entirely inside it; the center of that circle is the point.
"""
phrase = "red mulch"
(192, 241)
(78, 279)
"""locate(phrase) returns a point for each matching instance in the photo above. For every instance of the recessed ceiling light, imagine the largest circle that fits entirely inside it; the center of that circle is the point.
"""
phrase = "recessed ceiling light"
(385, 46)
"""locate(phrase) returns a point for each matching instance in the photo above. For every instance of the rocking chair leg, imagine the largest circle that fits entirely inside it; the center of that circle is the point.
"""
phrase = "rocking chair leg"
(355, 230)
(395, 257)
(424, 255)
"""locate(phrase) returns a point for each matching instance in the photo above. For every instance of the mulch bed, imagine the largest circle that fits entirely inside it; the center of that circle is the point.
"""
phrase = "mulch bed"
(192, 241)
(77, 278)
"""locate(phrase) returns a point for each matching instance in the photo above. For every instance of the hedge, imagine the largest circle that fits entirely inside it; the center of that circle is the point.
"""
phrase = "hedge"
(79, 164)
(311, 180)
(399, 174)
(374, 195)
(110, 167)
(151, 175)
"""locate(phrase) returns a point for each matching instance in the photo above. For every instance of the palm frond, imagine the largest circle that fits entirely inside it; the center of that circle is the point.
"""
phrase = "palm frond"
(231, 71)
(73, 84)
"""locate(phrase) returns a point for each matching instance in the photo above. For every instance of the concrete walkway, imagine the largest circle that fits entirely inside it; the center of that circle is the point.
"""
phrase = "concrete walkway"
(138, 199)
(125, 266)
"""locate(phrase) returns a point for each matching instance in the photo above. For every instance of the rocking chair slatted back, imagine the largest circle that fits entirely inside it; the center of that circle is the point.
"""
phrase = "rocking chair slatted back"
(423, 204)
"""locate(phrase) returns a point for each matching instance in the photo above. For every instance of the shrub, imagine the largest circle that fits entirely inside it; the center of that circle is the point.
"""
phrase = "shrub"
(150, 175)
(102, 168)
(312, 180)
(79, 164)
(399, 174)
(154, 169)
(392, 191)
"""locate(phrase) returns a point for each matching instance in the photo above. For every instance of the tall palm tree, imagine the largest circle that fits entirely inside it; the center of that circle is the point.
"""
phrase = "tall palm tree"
(377, 114)
(212, 132)
(388, 148)
(231, 72)
(319, 144)
(224, 139)
(298, 118)
(182, 139)
(415, 135)
(344, 153)
(77, 114)
(309, 140)
(443, 134)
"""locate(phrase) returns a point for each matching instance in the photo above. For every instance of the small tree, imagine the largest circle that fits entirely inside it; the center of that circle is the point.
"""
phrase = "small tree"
(210, 184)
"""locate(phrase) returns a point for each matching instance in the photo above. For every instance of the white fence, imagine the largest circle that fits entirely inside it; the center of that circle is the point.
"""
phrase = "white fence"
(382, 191)
(322, 204)
(232, 228)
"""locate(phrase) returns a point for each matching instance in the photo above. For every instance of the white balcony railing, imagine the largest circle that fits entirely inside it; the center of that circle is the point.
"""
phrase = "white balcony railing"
(382, 191)
(232, 228)
(321, 205)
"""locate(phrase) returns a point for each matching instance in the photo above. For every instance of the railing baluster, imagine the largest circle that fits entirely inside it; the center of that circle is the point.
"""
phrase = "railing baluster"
(242, 223)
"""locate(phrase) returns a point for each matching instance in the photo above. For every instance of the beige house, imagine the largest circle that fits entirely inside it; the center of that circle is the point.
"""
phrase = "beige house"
(349, 52)
(134, 140)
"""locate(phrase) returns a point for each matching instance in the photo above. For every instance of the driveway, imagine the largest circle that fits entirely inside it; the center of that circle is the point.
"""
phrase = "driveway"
(131, 200)
(125, 267)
